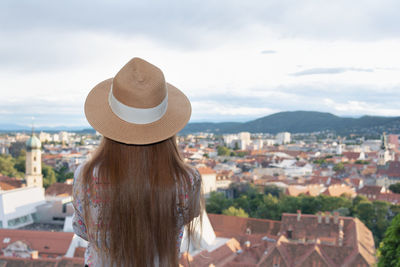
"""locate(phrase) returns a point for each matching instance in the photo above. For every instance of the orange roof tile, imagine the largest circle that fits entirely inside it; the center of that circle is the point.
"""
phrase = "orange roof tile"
(49, 243)
(206, 170)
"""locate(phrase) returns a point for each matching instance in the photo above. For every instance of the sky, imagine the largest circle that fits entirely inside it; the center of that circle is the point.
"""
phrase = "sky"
(235, 60)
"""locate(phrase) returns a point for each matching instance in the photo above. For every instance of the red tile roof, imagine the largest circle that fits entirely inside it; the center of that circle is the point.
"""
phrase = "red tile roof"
(206, 170)
(370, 190)
(53, 244)
(43, 262)
(310, 242)
(392, 170)
(8, 183)
(57, 189)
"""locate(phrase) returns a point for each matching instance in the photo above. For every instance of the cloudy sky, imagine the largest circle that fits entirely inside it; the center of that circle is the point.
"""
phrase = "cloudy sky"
(236, 60)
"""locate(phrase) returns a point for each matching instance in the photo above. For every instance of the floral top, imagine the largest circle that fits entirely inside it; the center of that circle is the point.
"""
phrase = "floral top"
(80, 227)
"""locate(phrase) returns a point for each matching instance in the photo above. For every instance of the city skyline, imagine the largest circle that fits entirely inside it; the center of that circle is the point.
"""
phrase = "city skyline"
(253, 60)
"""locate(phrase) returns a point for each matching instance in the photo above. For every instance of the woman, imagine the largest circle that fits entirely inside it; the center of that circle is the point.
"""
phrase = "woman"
(134, 196)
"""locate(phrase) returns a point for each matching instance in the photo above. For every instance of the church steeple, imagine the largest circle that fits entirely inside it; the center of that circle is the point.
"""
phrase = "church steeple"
(384, 145)
(33, 162)
(384, 153)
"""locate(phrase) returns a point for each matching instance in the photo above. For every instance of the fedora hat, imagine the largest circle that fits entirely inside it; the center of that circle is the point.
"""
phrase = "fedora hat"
(137, 106)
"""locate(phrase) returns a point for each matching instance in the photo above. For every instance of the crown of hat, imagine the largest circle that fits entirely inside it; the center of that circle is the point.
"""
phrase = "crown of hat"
(139, 84)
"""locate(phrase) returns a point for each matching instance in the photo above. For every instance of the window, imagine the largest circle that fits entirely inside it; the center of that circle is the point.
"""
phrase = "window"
(289, 233)
(34, 169)
(34, 158)
(64, 208)
(61, 219)
(18, 221)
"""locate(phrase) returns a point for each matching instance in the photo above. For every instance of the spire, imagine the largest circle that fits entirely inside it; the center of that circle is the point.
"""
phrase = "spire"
(384, 145)
(33, 126)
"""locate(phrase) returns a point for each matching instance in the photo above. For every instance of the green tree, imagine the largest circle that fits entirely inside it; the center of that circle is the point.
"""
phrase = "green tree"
(380, 220)
(268, 208)
(232, 211)
(343, 211)
(223, 151)
(217, 202)
(62, 174)
(49, 175)
(20, 163)
(319, 161)
(7, 166)
(309, 205)
(395, 188)
(15, 148)
(289, 204)
(389, 251)
(339, 167)
(236, 146)
(365, 212)
(273, 190)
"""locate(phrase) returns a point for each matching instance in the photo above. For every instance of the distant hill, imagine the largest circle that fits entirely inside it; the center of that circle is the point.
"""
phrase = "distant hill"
(22, 128)
(302, 122)
(290, 121)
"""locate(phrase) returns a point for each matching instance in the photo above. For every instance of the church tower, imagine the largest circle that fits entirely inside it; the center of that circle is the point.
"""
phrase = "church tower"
(384, 154)
(33, 162)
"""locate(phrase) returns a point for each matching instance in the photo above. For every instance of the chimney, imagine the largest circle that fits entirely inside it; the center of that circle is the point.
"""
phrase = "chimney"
(335, 217)
(298, 215)
(319, 215)
(327, 216)
(341, 234)
(340, 238)
(248, 231)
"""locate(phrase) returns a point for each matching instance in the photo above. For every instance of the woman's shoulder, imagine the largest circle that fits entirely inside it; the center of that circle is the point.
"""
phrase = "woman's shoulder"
(195, 177)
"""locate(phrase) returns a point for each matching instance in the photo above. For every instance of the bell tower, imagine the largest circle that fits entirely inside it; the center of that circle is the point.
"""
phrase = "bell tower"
(383, 154)
(33, 162)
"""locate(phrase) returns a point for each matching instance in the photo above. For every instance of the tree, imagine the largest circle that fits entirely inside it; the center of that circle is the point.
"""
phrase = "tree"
(395, 188)
(389, 251)
(268, 208)
(380, 220)
(339, 167)
(273, 190)
(7, 166)
(223, 151)
(217, 202)
(49, 175)
(20, 163)
(236, 146)
(232, 211)
(15, 148)
(62, 174)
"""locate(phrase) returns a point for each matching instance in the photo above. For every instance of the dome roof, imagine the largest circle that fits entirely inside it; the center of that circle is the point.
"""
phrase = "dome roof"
(33, 143)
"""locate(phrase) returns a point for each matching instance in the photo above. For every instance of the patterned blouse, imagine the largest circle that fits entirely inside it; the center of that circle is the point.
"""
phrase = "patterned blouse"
(80, 227)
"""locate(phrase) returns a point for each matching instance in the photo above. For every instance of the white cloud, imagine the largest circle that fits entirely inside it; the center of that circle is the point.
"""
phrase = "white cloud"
(234, 65)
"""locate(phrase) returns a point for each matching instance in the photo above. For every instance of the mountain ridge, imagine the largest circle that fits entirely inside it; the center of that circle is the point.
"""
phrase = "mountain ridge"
(302, 122)
(290, 121)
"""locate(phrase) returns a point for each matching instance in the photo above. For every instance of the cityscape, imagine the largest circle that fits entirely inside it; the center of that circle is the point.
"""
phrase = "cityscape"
(285, 199)
(288, 110)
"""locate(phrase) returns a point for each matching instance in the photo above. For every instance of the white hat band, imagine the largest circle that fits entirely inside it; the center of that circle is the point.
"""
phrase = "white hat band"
(137, 115)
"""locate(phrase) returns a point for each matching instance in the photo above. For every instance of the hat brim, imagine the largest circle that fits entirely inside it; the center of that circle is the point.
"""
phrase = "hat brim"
(102, 119)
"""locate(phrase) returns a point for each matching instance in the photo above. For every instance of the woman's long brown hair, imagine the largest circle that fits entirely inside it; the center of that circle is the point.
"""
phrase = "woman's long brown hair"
(138, 189)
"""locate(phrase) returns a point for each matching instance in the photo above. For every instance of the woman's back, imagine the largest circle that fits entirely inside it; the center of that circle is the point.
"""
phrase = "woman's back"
(135, 194)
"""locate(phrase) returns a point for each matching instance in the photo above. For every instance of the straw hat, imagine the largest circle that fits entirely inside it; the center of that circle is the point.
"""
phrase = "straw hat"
(137, 106)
